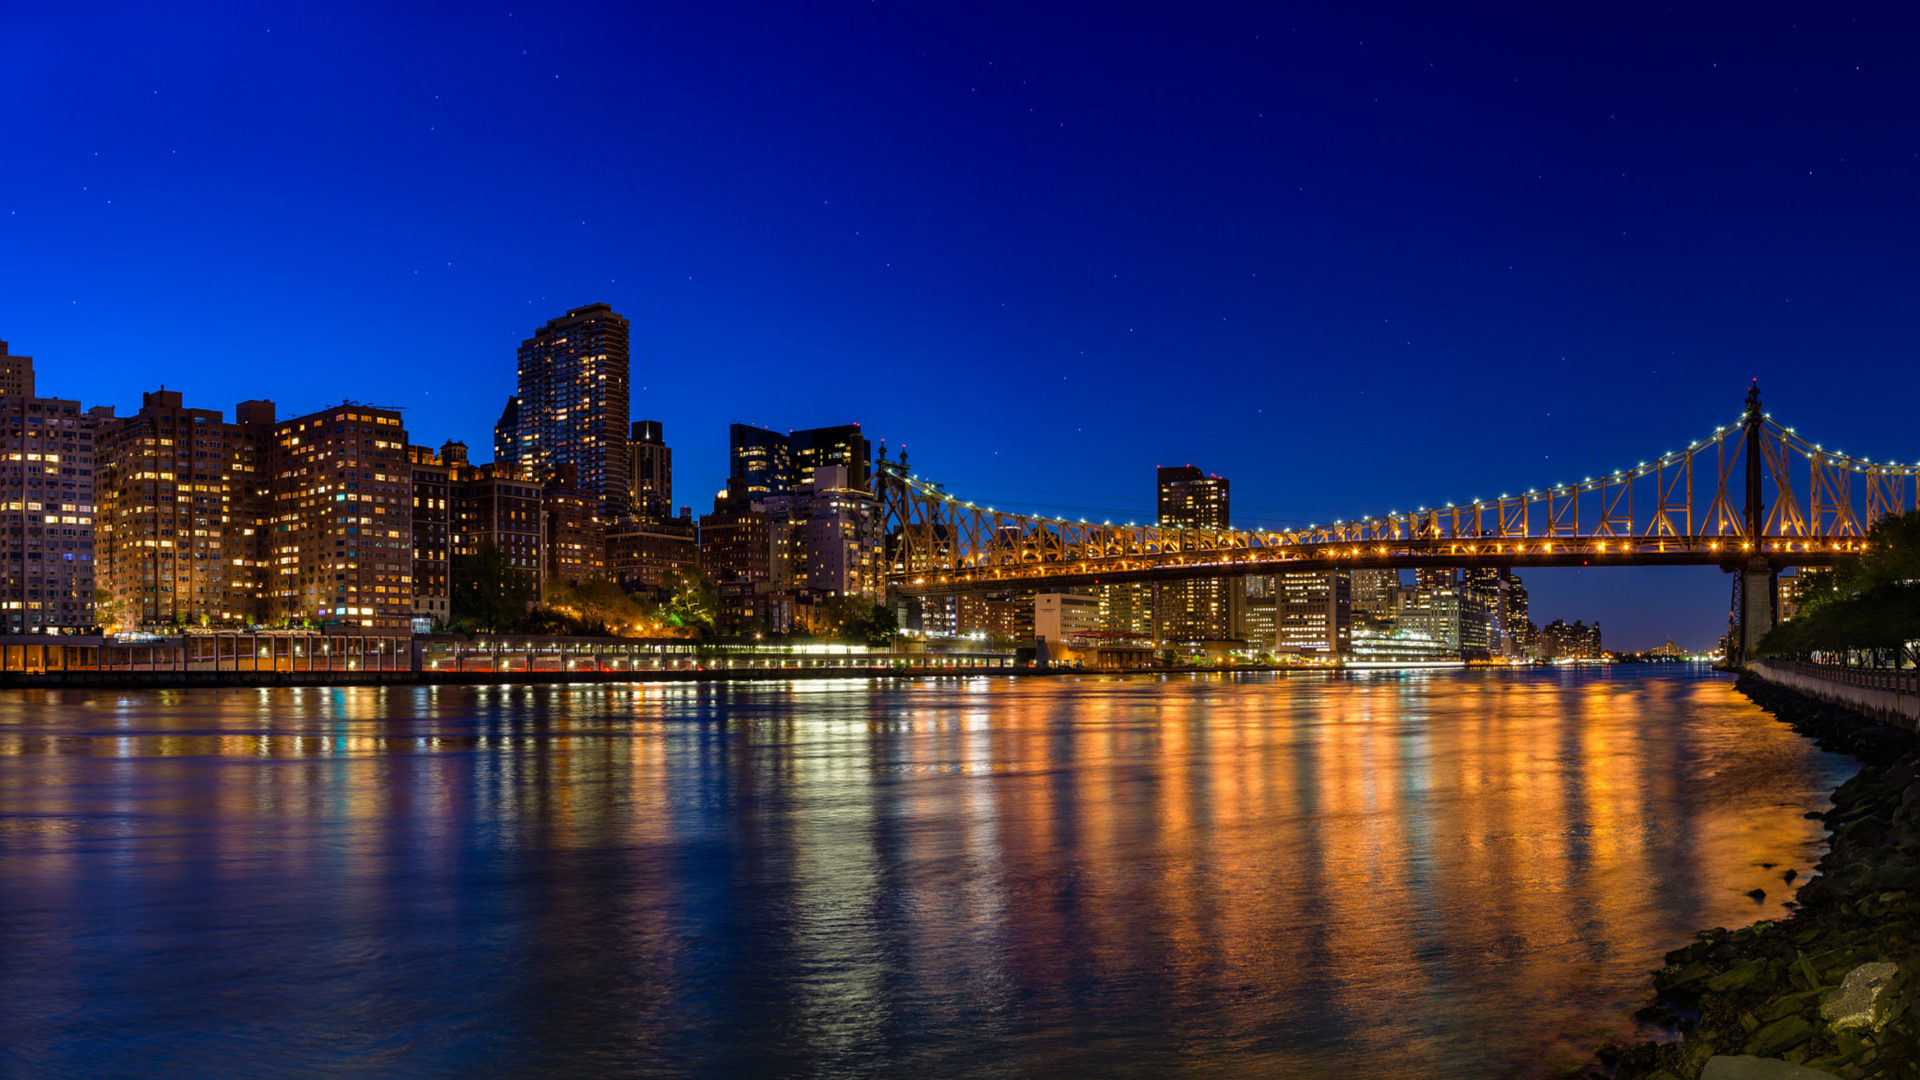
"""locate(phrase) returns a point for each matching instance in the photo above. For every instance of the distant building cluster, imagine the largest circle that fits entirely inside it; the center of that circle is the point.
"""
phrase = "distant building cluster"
(1350, 615)
(178, 516)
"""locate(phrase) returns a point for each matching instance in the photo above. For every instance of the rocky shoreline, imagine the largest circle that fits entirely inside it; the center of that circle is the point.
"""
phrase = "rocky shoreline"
(1831, 990)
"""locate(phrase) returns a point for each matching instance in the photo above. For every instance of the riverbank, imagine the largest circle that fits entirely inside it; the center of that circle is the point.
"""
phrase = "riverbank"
(1833, 987)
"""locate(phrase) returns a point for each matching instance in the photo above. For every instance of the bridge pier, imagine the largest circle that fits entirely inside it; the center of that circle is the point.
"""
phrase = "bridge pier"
(1759, 583)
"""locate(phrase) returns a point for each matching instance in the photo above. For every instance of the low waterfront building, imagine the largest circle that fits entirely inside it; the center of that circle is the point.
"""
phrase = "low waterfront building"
(1065, 617)
(1376, 644)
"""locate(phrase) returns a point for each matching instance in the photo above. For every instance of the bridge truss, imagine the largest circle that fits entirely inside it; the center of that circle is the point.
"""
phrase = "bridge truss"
(1751, 493)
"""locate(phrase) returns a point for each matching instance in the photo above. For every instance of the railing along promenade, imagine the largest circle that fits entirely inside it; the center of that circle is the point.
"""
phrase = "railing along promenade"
(1904, 681)
(1890, 696)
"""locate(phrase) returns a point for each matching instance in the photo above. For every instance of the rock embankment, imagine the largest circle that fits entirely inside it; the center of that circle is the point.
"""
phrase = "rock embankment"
(1831, 990)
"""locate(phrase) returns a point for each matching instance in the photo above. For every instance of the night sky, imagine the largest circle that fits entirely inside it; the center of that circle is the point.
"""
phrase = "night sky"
(1354, 259)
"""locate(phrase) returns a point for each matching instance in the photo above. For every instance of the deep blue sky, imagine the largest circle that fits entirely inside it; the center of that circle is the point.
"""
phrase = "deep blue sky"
(1354, 258)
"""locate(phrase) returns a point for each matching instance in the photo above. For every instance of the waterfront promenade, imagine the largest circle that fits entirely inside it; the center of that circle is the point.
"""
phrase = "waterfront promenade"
(1891, 697)
(227, 658)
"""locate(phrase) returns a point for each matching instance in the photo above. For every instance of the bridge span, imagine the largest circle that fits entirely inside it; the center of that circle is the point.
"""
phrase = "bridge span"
(1752, 497)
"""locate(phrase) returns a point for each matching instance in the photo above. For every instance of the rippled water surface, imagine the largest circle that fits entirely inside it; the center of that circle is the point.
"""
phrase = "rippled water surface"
(1394, 876)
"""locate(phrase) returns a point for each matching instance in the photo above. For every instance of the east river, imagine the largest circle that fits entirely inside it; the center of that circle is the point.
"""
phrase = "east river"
(1451, 875)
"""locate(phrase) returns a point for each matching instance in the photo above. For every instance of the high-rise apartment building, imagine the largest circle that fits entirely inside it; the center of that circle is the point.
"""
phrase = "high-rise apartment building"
(835, 535)
(1203, 609)
(571, 408)
(432, 535)
(576, 543)
(1314, 612)
(1376, 593)
(16, 374)
(184, 499)
(46, 508)
(649, 554)
(651, 489)
(736, 554)
(495, 504)
(1791, 588)
(1451, 614)
(1126, 612)
(342, 522)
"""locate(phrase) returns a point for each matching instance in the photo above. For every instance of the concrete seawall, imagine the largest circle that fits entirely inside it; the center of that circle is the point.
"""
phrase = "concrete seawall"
(1893, 707)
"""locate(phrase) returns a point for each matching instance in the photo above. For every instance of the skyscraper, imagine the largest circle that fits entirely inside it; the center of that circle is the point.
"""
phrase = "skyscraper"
(651, 488)
(770, 464)
(759, 459)
(842, 444)
(1519, 623)
(572, 407)
(1203, 609)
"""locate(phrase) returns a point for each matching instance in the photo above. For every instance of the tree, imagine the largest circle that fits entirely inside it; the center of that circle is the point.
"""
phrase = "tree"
(595, 606)
(108, 611)
(858, 618)
(488, 593)
(691, 602)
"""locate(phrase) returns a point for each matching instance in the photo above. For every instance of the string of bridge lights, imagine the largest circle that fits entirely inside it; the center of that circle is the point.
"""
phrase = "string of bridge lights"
(1643, 469)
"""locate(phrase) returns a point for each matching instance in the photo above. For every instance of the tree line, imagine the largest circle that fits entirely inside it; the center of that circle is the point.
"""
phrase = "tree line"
(489, 595)
(1866, 610)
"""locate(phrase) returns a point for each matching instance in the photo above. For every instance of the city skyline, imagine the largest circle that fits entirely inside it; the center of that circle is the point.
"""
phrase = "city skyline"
(1210, 264)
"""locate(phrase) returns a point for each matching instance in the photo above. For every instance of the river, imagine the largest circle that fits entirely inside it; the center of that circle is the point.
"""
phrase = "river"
(1389, 875)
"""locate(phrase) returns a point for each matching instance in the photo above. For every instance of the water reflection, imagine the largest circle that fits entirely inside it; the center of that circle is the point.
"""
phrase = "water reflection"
(1392, 875)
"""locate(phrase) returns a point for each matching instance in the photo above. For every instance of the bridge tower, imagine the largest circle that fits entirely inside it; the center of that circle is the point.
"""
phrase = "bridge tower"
(1758, 579)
